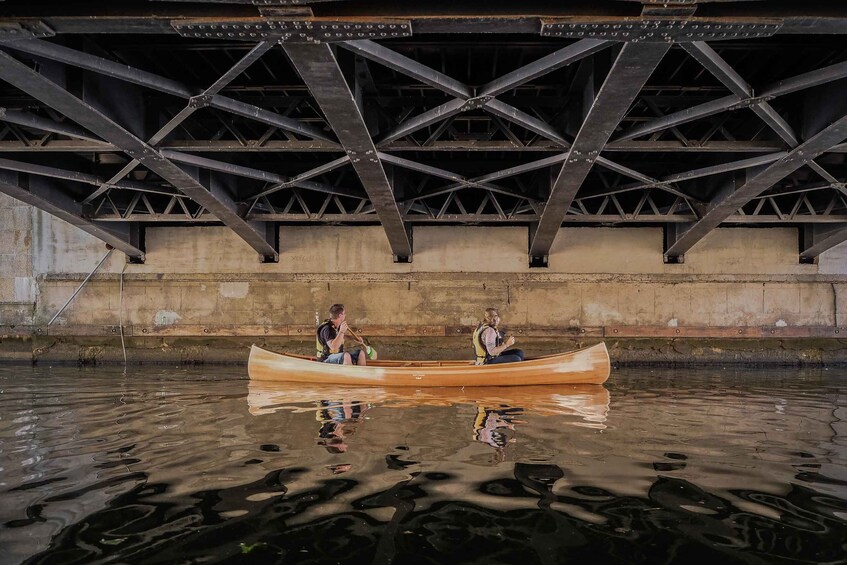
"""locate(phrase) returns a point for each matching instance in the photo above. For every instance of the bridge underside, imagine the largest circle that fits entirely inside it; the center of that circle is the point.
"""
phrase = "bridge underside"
(688, 115)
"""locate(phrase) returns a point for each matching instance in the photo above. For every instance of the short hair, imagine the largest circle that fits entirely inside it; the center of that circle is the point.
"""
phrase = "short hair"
(490, 313)
(335, 311)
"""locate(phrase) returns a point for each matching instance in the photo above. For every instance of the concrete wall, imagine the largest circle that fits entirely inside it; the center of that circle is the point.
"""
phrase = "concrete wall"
(205, 280)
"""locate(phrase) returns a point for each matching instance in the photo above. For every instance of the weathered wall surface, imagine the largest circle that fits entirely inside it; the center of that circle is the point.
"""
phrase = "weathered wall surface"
(602, 283)
(17, 284)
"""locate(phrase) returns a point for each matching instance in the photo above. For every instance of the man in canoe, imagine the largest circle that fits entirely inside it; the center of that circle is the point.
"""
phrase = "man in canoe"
(330, 340)
(491, 345)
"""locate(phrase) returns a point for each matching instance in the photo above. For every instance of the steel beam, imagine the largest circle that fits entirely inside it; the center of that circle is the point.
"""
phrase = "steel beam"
(508, 112)
(287, 146)
(76, 176)
(497, 175)
(319, 69)
(193, 105)
(561, 58)
(817, 239)
(47, 195)
(34, 121)
(280, 181)
(106, 67)
(423, 120)
(729, 202)
(787, 86)
(220, 205)
(465, 97)
(402, 64)
(715, 64)
(652, 220)
(631, 69)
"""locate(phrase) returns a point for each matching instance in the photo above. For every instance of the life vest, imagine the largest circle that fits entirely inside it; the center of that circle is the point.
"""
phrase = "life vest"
(482, 355)
(322, 349)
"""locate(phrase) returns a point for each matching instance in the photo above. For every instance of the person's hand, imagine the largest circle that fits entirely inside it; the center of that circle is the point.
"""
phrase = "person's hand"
(360, 340)
(511, 340)
(342, 329)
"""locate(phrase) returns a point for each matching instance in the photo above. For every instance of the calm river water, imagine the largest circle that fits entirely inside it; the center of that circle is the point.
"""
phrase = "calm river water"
(188, 466)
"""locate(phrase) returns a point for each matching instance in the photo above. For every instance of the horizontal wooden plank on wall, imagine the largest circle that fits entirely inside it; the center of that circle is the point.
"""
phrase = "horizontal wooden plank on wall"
(519, 331)
(682, 331)
(804, 331)
(211, 330)
(401, 331)
(724, 332)
(308, 331)
(15, 331)
(82, 330)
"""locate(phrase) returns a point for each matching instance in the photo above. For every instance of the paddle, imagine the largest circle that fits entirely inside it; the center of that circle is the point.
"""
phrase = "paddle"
(369, 351)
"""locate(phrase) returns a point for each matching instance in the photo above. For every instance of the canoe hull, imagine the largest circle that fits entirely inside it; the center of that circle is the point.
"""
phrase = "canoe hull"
(584, 366)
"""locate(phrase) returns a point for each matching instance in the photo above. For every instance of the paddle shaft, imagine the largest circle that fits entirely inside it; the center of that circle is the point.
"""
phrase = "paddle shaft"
(351, 332)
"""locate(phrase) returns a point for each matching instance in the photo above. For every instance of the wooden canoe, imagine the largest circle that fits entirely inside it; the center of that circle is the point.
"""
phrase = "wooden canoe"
(583, 366)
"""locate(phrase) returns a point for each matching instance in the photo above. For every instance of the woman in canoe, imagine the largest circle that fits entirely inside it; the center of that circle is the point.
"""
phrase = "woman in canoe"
(491, 345)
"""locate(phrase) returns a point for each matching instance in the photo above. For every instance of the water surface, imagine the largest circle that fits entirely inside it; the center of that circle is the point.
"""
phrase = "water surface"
(171, 465)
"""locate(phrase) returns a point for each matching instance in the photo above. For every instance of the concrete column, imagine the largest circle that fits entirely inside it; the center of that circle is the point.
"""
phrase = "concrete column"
(17, 284)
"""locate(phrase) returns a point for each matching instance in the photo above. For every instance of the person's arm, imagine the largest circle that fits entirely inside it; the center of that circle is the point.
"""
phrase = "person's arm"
(338, 342)
(489, 339)
(333, 344)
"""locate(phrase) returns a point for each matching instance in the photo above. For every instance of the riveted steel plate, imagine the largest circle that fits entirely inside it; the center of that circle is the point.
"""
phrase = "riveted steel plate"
(659, 30)
(293, 31)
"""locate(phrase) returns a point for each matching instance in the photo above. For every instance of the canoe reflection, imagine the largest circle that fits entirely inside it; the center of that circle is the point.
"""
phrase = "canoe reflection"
(497, 409)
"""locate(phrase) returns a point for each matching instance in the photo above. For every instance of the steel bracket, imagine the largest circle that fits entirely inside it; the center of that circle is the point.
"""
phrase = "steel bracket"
(747, 102)
(475, 102)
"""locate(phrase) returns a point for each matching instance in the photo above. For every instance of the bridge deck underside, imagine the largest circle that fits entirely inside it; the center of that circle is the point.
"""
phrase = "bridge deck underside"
(690, 117)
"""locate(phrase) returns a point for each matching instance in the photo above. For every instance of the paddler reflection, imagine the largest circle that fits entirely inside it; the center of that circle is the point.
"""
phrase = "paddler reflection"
(494, 425)
(338, 420)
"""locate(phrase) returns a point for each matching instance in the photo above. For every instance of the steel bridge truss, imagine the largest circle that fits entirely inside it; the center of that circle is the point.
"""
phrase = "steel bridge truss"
(656, 114)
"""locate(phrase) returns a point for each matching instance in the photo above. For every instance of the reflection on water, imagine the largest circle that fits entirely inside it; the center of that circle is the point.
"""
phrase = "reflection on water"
(189, 466)
(496, 409)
